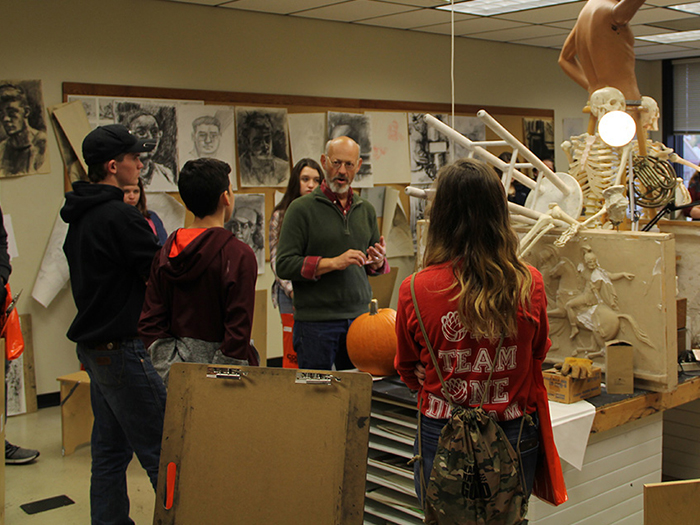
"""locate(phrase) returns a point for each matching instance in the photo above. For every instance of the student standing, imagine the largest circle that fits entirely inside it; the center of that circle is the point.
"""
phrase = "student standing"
(201, 293)
(473, 291)
(110, 248)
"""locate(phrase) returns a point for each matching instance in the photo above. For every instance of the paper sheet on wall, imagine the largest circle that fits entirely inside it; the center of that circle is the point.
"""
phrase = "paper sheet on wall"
(395, 227)
(572, 426)
(390, 157)
(73, 124)
(307, 135)
(11, 242)
(170, 211)
(53, 274)
(375, 196)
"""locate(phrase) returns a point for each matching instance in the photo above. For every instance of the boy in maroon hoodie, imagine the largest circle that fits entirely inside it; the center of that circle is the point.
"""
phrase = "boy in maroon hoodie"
(201, 292)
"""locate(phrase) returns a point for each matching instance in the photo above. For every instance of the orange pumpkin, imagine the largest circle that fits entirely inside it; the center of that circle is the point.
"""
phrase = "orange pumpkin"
(371, 341)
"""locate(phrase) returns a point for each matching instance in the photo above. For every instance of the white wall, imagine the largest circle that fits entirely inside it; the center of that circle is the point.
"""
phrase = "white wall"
(165, 44)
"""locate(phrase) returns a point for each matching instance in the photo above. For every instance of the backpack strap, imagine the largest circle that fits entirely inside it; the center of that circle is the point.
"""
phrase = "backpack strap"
(432, 353)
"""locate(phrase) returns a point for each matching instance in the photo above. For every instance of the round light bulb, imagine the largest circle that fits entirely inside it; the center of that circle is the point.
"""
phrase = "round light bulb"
(617, 128)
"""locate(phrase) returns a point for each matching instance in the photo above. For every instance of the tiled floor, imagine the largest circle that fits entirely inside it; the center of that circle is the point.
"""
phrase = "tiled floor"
(53, 475)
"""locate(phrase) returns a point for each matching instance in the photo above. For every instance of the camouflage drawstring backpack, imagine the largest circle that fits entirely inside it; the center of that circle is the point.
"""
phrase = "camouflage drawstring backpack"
(476, 477)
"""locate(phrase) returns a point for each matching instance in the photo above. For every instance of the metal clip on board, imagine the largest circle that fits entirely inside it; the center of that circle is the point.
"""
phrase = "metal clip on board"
(216, 372)
(315, 378)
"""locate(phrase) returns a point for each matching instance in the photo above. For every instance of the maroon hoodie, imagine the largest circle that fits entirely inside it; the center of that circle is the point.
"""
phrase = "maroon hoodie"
(206, 292)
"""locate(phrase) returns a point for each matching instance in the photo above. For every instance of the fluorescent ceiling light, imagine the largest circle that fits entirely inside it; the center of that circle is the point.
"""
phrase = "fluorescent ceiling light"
(498, 7)
(687, 8)
(673, 38)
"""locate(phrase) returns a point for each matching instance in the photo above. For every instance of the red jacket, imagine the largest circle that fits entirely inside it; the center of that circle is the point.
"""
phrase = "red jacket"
(517, 381)
(205, 292)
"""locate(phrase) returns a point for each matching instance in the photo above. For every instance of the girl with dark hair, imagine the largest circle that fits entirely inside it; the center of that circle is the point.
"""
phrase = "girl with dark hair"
(134, 195)
(306, 175)
(694, 190)
(473, 291)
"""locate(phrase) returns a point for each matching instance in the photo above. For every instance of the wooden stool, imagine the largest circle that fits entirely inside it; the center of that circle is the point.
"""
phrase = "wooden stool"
(76, 411)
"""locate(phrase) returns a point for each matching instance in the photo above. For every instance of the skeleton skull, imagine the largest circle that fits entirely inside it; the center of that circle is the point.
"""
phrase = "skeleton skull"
(605, 100)
(650, 114)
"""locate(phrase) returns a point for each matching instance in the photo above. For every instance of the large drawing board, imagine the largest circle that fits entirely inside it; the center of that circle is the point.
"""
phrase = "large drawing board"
(272, 446)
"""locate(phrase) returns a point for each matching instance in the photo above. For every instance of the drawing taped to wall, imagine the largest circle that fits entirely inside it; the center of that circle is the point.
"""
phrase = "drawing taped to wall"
(539, 136)
(307, 135)
(16, 400)
(207, 131)
(23, 132)
(431, 150)
(247, 223)
(358, 127)
(150, 120)
(263, 146)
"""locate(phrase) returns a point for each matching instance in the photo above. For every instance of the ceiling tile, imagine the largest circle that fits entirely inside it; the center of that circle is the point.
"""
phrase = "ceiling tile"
(473, 26)
(200, 2)
(521, 33)
(568, 25)
(418, 3)
(658, 14)
(666, 3)
(416, 18)
(545, 27)
(686, 24)
(545, 15)
(645, 30)
(657, 48)
(354, 10)
(280, 7)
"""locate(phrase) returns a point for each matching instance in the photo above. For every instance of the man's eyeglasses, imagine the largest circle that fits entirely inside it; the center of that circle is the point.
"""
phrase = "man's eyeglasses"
(337, 164)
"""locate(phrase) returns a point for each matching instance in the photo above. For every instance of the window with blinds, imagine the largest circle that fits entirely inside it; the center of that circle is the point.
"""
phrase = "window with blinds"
(686, 96)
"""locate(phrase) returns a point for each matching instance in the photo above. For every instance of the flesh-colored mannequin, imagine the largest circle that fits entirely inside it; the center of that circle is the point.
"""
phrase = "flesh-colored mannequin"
(599, 51)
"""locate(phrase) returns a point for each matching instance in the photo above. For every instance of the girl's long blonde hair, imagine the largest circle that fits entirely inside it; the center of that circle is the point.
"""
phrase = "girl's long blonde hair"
(470, 228)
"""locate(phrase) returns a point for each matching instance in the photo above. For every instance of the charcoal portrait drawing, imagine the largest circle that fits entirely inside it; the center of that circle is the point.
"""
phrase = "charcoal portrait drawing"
(358, 127)
(152, 121)
(23, 135)
(263, 146)
(247, 223)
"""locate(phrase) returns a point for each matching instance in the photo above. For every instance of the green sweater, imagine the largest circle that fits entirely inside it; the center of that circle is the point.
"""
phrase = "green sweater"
(314, 226)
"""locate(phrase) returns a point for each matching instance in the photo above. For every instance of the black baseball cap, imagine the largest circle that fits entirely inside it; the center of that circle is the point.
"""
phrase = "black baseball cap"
(107, 142)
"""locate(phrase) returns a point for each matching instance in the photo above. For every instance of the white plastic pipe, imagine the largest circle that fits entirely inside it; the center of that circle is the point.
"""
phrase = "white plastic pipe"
(478, 150)
(525, 152)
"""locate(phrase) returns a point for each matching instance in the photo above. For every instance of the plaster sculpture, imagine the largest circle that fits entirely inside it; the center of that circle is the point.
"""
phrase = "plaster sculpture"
(595, 307)
(594, 298)
(599, 51)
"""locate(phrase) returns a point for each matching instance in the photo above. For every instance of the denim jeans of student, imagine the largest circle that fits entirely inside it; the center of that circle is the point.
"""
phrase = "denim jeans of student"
(320, 344)
(284, 303)
(529, 447)
(128, 402)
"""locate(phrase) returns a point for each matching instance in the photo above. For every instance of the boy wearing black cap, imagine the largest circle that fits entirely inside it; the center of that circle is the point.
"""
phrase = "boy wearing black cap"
(110, 247)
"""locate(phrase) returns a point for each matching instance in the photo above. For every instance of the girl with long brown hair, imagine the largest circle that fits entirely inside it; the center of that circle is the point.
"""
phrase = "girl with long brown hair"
(473, 292)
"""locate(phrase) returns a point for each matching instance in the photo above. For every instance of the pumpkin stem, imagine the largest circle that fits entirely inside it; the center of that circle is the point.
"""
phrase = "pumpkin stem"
(373, 307)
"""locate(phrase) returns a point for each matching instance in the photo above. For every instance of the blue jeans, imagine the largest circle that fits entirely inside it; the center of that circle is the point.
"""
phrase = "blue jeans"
(320, 344)
(529, 447)
(284, 303)
(128, 402)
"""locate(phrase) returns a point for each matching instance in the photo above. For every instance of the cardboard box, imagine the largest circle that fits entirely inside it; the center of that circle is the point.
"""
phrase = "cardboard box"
(619, 367)
(565, 389)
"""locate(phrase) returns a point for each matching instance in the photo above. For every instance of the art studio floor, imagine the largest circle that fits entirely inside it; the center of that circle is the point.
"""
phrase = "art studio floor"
(54, 475)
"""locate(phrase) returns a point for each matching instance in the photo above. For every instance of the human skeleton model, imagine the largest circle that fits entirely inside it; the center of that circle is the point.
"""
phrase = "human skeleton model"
(595, 165)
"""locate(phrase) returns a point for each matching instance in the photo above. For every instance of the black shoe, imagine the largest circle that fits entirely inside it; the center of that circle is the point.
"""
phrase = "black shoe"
(15, 455)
